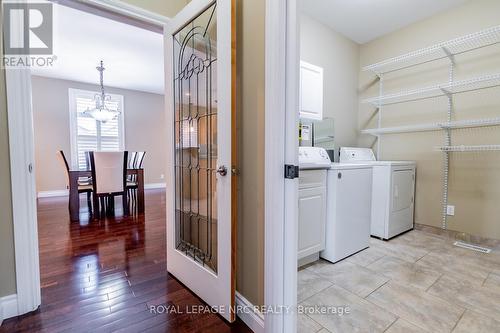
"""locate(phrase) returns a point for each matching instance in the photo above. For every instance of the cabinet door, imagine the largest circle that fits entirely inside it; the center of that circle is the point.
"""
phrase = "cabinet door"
(312, 219)
(311, 91)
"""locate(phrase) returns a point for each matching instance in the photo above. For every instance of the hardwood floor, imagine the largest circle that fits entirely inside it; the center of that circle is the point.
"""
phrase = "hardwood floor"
(103, 276)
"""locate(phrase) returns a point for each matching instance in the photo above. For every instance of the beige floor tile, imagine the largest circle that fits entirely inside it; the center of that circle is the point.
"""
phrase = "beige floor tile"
(405, 273)
(309, 284)
(403, 251)
(307, 325)
(473, 322)
(324, 330)
(363, 316)
(491, 260)
(461, 268)
(402, 326)
(480, 299)
(367, 256)
(493, 282)
(417, 307)
(357, 279)
(422, 240)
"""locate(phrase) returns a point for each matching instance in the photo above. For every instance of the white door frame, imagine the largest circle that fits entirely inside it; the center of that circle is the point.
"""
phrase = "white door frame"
(21, 147)
(281, 147)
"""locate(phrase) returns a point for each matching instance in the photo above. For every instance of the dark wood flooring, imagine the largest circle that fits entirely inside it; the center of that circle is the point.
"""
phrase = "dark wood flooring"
(103, 276)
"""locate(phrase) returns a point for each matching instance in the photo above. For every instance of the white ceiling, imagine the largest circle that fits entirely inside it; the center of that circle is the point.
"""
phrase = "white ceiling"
(133, 57)
(365, 20)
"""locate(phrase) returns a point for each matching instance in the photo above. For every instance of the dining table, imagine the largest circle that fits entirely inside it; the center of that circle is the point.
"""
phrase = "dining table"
(74, 197)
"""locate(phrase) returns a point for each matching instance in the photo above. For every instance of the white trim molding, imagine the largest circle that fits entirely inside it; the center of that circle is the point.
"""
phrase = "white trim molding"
(52, 194)
(21, 146)
(274, 211)
(120, 7)
(249, 314)
(153, 186)
(8, 307)
(281, 142)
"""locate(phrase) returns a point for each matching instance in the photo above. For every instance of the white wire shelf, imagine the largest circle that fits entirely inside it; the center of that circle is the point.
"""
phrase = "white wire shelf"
(434, 126)
(442, 50)
(464, 148)
(472, 84)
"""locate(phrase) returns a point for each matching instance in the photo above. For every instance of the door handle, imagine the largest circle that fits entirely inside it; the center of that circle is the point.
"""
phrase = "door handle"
(222, 170)
(30, 168)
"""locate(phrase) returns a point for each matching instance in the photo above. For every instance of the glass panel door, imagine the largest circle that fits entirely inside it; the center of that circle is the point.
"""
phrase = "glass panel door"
(195, 103)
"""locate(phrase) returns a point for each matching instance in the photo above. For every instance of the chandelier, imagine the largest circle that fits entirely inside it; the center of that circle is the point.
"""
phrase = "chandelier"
(102, 112)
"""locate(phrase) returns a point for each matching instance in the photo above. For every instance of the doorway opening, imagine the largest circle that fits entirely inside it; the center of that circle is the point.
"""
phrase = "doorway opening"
(382, 141)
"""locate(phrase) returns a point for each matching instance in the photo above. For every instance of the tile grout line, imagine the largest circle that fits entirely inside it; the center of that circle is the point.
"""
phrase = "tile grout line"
(392, 324)
(439, 278)
(460, 318)
(486, 279)
(377, 289)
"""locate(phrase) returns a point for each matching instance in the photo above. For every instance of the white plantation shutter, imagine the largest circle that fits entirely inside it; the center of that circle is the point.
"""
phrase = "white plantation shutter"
(87, 134)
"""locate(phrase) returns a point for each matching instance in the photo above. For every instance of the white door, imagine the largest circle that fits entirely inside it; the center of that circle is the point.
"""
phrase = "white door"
(199, 104)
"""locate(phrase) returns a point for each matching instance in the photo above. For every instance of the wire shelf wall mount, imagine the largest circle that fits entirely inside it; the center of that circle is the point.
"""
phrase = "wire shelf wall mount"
(463, 44)
(445, 50)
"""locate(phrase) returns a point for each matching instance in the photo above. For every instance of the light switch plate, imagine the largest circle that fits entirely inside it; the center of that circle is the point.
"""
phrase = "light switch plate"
(450, 210)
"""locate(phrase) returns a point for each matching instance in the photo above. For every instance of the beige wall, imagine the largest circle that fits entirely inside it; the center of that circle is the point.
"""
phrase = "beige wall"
(7, 263)
(474, 177)
(250, 99)
(339, 58)
(144, 129)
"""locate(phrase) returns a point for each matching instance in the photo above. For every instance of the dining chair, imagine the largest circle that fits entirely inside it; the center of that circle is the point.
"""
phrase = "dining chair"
(83, 187)
(109, 179)
(132, 184)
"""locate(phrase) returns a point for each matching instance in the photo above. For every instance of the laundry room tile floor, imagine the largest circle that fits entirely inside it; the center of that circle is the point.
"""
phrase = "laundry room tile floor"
(416, 282)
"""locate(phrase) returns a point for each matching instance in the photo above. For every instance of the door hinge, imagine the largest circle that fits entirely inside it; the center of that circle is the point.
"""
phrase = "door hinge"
(291, 171)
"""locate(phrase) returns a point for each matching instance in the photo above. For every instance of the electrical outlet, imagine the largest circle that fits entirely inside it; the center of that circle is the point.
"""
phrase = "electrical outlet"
(162, 176)
(450, 210)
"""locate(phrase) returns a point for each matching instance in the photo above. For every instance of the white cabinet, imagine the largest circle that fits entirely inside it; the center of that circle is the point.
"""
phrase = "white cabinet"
(311, 91)
(312, 212)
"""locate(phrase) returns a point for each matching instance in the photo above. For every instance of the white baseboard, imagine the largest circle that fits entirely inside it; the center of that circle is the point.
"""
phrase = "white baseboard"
(50, 194)
(65, 193)
(8, 307)
(154, 186)
(253, 319)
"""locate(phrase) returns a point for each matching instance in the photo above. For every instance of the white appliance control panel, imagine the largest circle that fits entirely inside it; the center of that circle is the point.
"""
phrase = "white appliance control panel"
(313, 158)
(351, 154)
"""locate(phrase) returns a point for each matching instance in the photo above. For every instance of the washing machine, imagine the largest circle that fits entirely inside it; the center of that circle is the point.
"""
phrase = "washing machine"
(348, 212)
(393, 192)
(313, 165)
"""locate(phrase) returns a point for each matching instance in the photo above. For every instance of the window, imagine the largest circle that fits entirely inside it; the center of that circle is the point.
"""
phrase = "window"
(87, 134)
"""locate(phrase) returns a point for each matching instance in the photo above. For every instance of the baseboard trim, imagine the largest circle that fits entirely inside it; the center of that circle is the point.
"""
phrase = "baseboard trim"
(65, 193)
(154, 186)
(248, 314)
(8, 307)
(51, 194)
